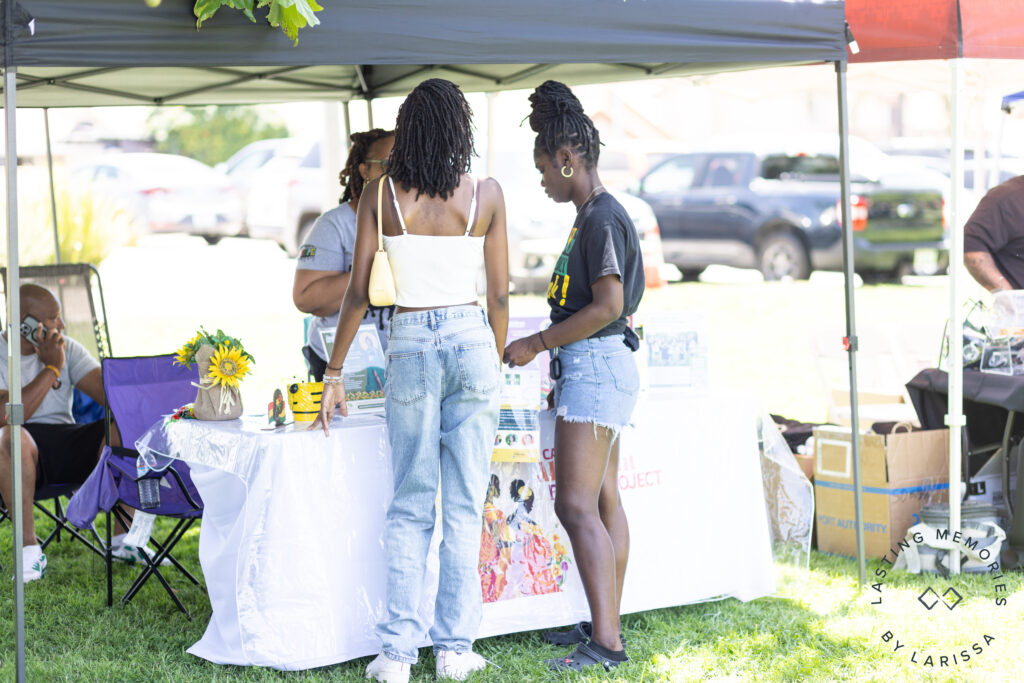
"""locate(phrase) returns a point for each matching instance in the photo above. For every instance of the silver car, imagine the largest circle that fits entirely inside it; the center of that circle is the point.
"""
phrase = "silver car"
(538, 228)
(166, 193)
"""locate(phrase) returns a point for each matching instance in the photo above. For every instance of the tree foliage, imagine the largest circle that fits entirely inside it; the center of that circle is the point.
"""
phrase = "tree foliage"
(288, 15)
(210, 134)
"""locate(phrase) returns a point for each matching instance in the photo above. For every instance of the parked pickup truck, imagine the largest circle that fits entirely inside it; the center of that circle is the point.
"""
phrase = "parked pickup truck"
(778, 211)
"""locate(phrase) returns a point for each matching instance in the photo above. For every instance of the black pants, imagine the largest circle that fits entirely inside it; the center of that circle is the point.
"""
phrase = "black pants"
(317, 365)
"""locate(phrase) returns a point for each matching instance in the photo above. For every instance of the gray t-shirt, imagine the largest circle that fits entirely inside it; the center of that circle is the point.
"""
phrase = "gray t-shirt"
(329, 246)
(56, 405)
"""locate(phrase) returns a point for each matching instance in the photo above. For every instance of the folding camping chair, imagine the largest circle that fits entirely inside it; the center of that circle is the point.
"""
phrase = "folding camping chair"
(78, 288)
(140, 391)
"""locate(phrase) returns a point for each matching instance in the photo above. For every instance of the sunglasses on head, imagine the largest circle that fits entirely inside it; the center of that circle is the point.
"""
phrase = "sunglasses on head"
(383, 163)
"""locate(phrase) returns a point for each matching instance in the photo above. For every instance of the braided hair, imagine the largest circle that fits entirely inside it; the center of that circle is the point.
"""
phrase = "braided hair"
(350, 177)
(558, 120)
(433, 139)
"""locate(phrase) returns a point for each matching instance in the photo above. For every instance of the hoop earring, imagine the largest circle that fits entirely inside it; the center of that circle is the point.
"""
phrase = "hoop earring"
(569, 174)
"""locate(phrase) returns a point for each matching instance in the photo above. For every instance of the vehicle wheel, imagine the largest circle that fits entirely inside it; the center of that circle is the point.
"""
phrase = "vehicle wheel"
(690, 274)
(212, 239)
(783, 257)
(904, 269)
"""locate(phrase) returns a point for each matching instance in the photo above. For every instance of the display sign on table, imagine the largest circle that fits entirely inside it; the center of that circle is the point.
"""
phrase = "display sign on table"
(524, 392)
(676, 350)
(363, 369)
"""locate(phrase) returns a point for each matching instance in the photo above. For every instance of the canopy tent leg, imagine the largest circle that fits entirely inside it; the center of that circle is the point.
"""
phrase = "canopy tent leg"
(53, 193)
(330, 159)
(369, 113)
(14, 408)
(492, 103)
(955, 395)
(851, 326)
(348, 128)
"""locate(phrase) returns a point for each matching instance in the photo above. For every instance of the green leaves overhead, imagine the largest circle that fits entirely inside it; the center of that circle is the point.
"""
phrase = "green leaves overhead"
(288, 15)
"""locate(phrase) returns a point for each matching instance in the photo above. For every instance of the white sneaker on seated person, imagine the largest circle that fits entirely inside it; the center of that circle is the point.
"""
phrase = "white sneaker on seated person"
(132, 554)
(387, 670)
(33, 563)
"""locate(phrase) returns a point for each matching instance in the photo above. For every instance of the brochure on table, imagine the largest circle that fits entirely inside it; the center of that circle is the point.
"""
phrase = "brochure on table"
(676, 350)
(363, 370)
(523, 394)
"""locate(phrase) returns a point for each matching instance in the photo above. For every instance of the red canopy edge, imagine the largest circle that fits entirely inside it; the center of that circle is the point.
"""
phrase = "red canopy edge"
(936, 29)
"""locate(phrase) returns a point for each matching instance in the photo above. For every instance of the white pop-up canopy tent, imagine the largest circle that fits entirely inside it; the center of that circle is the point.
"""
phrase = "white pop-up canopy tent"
(104, 52)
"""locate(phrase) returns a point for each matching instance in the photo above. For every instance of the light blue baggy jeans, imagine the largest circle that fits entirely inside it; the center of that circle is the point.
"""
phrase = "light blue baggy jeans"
(442, 400)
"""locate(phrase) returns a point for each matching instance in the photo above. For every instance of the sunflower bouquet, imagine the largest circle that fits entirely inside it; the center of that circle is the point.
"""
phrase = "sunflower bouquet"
(223, 363)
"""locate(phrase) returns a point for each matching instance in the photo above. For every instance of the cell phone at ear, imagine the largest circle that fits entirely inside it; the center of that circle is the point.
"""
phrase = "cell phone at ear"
(29, 325)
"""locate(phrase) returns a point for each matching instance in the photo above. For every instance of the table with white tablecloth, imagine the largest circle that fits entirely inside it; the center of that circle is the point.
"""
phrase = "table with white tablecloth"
(291, 540)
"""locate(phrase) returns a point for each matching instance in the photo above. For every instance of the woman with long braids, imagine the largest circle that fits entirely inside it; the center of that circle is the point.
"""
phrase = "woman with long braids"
(596, 285)
(440, 226)
(325, 257)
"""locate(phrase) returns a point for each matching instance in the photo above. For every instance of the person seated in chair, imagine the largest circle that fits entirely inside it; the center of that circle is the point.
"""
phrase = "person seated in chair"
(54, 449)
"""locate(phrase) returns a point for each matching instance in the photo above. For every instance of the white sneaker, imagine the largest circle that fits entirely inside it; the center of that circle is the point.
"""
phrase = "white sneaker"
(458, 665)
(133, 554)
(387, 670)
(33, 564)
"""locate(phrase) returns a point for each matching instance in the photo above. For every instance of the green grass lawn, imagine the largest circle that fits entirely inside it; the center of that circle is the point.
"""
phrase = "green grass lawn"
(820, 626)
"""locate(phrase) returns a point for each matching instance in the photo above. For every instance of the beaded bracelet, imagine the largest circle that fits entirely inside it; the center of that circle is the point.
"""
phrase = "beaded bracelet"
(333, 380)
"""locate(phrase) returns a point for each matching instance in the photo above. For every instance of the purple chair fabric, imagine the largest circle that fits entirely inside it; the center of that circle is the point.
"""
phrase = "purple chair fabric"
(139, 392)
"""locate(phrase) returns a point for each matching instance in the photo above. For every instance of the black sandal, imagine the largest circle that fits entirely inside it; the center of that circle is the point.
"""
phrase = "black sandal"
(582, 657)
(580, 633)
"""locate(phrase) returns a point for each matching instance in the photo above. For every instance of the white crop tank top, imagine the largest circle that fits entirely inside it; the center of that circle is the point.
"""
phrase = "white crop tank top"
(435, 270)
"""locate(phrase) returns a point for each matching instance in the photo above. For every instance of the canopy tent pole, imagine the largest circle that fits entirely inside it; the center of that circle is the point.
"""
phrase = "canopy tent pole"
(955, 394)
(330, 159)
(369, 113)
(850, 342)
(15, 410)
(53, 193)
(348, 128)
(491, 132)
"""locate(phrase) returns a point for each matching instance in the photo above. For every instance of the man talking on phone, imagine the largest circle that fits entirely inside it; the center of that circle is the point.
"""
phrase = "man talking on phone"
(54, 449)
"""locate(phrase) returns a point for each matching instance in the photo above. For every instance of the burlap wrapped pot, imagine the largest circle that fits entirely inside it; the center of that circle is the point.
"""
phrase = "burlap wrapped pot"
(214, 401)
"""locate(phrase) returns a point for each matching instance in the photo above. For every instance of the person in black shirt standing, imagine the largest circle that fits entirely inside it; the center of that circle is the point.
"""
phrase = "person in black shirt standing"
(994, 238)
(596, 285)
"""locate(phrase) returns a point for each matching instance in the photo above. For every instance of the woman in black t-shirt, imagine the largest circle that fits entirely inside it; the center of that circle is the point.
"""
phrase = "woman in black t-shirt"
(596, 285)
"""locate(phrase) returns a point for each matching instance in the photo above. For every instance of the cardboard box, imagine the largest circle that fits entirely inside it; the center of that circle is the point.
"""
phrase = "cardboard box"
(872, 407)
(899, 473)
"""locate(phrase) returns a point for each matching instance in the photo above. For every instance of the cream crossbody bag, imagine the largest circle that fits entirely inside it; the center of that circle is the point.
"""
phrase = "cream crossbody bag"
(382, 280)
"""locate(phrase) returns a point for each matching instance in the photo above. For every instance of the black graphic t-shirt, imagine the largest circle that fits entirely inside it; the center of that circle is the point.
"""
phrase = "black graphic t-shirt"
(602, 242)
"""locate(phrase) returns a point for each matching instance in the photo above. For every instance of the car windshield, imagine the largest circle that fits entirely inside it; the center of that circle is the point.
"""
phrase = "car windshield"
(780, 166)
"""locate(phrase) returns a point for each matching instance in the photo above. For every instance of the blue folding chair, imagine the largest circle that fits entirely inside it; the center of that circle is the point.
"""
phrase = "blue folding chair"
(140, 391)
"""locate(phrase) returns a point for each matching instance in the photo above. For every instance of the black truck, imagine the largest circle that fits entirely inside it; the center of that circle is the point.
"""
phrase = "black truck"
(778, 211)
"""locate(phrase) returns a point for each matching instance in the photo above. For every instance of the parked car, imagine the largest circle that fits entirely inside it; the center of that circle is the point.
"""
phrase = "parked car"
(934, 156)
(283, 187)
(167, 193)
(538, 228)
(774, 206)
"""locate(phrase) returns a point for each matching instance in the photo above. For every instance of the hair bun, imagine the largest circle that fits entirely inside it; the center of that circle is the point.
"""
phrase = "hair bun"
(552, 100)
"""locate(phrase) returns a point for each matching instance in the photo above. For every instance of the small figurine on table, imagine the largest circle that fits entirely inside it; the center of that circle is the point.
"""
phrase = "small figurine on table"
(275, 411)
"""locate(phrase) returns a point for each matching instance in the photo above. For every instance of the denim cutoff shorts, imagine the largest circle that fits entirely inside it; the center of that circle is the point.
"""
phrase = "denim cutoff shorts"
(599, 382)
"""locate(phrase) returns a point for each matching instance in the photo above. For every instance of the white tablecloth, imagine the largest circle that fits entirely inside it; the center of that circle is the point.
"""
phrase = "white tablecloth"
(291, 542)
